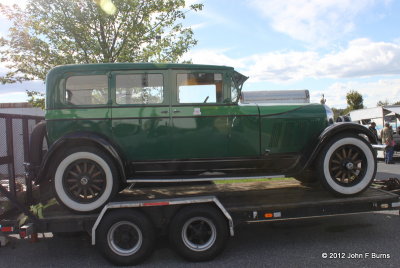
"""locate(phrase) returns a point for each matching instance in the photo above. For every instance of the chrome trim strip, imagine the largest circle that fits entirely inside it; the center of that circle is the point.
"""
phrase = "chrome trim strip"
(205, 179)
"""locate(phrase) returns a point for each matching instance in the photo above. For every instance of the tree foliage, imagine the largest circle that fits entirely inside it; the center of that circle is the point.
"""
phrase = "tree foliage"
(36, 98)
(48, 33)
(382, 103)
(339, 112)
(386, 102)
(354, 100)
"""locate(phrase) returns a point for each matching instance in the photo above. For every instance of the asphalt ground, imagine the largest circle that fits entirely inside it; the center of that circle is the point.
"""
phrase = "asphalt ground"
(362, 240)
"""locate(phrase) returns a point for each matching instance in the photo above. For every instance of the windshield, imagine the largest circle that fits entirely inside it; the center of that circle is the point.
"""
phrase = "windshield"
(237, 83)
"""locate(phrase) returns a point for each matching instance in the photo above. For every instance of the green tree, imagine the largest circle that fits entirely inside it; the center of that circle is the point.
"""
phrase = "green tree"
(36, 98)
(48, 33)
(382, 103)
(339, 112)
(354, 100)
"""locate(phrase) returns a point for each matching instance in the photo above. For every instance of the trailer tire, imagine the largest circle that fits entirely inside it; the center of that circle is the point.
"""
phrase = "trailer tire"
(347, 165)
(93, 181)
(198, 233)
(125, 237)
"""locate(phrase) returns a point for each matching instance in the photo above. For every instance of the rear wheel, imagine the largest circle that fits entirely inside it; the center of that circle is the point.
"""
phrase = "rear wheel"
(125, 237)
(347, 165)
(198, 233)
(85, 179)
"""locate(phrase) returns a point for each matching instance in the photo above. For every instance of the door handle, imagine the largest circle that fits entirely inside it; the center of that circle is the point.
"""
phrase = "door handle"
(164, 112)
(176, 111)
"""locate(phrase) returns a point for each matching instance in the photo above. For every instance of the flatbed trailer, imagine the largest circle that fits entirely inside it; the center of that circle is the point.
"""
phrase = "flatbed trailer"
(198, 219)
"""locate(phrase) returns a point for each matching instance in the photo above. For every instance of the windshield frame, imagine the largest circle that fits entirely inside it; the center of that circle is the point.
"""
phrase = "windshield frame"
(238, 80)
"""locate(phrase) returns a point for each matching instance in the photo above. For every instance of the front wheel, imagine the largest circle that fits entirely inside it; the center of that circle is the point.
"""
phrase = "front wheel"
(347, 165)
(85, 179)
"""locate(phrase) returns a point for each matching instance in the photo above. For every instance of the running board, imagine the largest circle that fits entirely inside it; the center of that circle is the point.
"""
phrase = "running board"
(131, 180)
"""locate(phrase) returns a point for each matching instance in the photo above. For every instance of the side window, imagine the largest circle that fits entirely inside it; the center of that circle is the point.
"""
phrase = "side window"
(139, 88)
(86, 90)
(199, 88)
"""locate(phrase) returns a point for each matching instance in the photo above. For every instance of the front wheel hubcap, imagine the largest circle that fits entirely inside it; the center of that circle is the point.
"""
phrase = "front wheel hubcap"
(349, 166)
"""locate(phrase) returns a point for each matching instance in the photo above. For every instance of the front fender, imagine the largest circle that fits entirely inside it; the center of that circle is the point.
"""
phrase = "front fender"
(77, 139)
(335, 129)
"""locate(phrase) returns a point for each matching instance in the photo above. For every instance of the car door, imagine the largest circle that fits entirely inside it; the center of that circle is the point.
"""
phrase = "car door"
(200, 122)
(140, 114)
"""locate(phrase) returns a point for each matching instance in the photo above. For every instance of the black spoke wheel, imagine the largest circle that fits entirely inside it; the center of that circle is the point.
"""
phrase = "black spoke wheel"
(125, 237)
(347, 165)
(84, 180)
(198, 232)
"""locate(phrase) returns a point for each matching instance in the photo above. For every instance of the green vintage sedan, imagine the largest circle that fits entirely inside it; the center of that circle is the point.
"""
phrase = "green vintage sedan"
(108, 125)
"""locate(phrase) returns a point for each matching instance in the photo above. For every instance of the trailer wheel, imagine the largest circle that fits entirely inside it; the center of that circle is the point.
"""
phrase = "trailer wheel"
(125, 237)
(347, 165)
(198, 233)
(85, 179)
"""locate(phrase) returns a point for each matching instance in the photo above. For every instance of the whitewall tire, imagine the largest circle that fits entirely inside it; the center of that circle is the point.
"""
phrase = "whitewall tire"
(347, 165)
(85, 179)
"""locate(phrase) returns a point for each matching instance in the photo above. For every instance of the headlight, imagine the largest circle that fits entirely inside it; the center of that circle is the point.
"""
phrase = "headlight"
(329, 114)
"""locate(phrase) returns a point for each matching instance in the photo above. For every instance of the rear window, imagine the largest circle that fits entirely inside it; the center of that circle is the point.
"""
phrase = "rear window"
(86, 90)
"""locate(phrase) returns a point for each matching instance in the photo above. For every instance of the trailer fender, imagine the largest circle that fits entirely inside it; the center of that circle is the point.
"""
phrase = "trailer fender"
(163, 202)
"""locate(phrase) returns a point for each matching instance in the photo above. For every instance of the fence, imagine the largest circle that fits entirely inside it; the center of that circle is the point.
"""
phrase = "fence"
(15, 131)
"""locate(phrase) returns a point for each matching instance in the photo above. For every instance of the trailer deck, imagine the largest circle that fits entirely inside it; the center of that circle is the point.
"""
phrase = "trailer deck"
(246, 202)
(240, 203)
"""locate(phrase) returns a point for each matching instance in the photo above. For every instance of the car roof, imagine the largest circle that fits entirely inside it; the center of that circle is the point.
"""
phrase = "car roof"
(133, 66)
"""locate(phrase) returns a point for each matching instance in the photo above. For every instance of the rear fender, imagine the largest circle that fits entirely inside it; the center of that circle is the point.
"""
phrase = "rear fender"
(78, 139)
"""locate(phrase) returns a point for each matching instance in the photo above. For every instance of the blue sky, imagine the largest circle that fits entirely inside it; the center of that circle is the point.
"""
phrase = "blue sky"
(326, 46)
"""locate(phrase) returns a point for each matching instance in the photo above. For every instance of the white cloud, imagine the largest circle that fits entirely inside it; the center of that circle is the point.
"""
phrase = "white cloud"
(372, 92)
(361, 58)
(215, 57)
(315, 22)
(282, 66)
(198, 26)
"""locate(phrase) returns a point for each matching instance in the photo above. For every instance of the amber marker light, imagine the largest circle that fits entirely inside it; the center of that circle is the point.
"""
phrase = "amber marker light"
(268, 215)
